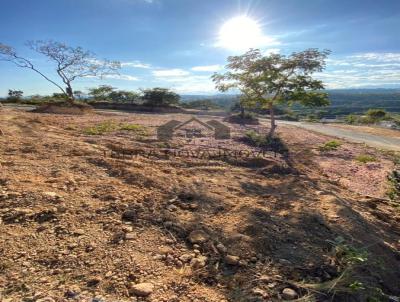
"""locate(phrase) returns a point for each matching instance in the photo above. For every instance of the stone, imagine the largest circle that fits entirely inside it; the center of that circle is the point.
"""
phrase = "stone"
(129, 215)
(289, 294)
(198, 262)
(186, 257)
(198, 236)
(142, 289)
(221, 248)
(231, 260)
(130, 236)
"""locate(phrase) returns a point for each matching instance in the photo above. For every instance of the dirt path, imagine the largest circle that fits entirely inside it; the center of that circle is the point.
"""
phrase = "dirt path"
(354, 134)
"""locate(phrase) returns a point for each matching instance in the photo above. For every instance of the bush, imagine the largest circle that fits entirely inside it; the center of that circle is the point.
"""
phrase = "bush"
(394, 181)
(110, 126)
(246, 118)
(364, 158)
(274, 144)
(330, 146)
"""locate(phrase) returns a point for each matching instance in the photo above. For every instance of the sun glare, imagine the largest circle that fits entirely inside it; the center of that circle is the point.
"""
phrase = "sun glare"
(240, 33)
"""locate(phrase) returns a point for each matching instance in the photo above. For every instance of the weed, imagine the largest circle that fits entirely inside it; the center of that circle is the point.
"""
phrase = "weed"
(274, 144)
(394, 182)
(102, 128)
(365, 158)
(330, 146)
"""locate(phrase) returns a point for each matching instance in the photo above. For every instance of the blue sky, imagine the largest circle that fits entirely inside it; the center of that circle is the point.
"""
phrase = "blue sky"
(179, 43)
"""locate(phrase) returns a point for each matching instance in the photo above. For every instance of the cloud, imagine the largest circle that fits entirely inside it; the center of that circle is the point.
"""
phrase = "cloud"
(136, 64)
(209, 68)
(363, 70)
(124, 77)
(175, 72)
(269, 51)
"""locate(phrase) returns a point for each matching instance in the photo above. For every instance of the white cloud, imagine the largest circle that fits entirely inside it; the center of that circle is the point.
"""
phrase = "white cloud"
(209, 68)
(136, 64)
(175, 72)
(269, 51)
(363, 70)
(124, 77)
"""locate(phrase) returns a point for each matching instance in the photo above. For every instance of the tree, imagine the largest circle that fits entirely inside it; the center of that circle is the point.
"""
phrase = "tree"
(71, 63)
(123, 96)
(273, 79)
(14, 95)
(376, 114)
(157, 97)
(101, 93)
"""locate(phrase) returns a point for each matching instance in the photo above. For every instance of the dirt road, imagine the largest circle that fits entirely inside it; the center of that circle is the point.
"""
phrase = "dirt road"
(378, 141)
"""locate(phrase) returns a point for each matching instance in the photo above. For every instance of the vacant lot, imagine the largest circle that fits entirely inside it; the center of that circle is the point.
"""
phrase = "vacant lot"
(78, 223)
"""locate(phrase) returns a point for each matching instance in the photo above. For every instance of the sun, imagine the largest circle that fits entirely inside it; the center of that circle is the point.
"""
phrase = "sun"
(240, 33)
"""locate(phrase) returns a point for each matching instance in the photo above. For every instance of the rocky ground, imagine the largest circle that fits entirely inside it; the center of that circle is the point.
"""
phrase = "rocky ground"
(81, 223)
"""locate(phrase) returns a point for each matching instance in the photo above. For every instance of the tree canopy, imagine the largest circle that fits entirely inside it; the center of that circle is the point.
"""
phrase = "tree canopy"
(275, 78)
(158, 97)
(71, 63)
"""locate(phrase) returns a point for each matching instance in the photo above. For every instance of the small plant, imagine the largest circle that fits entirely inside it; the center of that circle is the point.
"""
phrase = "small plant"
(394, 182)
(102, 128)
(134, 128)
(365, 158)
(330, 146)
(274, 143)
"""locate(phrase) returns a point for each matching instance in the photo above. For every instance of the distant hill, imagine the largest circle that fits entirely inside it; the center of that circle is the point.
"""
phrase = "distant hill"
(343, 101)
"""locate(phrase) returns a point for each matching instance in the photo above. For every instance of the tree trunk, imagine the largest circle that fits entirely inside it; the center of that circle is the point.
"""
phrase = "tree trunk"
(70, 94)
(272, 117)
(242, 111)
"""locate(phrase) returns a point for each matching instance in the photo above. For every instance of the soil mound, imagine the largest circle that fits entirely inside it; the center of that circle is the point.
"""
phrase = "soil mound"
(64, 108)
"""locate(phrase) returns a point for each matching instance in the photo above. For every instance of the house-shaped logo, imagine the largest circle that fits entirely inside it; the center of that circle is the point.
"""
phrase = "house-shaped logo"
(166, 131)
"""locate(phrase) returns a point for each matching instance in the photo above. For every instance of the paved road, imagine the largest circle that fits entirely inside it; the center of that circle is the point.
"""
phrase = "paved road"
(383, 142)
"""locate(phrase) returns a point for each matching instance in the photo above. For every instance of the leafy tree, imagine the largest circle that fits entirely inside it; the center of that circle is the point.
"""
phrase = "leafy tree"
(123, 96)
(71, 63)
(101, 93)
(78, 93)
(158, 97)
(376, 114)
(14, 95)
(204, 104)
(273, 79)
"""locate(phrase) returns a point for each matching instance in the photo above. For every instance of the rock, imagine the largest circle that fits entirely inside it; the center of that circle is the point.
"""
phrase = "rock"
(129, 215)
(198, 236)
(142, 289)
(52, 195)
(130, 236)
(165, 250)
(93, 282)
(172, 208)
(45, 299)
(231, 260)
(198, 262)
(289, 294)
(186, 257)
(221, 248)
(79, 232)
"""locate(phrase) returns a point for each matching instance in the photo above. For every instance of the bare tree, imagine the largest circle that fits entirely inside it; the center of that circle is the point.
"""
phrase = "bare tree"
(71, 63)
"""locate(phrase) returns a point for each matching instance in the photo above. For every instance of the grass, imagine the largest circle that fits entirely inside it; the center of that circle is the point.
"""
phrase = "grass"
(330, 146)
(111, 126)
(365, 158)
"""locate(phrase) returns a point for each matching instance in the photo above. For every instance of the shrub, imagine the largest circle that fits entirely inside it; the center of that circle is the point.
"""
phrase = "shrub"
(394, 181)
(365, 158)
(103, 127)
(274, 143)
(330, 146)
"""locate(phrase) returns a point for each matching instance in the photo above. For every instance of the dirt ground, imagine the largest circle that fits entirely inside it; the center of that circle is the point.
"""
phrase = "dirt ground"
(81, 223)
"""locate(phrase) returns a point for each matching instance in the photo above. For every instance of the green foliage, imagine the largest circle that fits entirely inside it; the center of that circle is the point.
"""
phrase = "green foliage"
(138, 129)
(394, 182)
(330, 146)
(274, 143)
(101, 128)
(101, 93)
(14, 95)
(365, 158)
(376, 114)
(159, 97)
(275, 79)
(203, 104)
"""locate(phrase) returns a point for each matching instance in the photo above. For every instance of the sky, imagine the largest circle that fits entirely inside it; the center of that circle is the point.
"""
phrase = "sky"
(179, 44)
